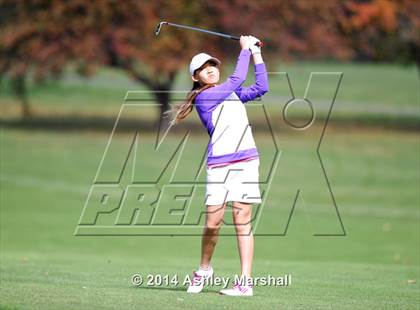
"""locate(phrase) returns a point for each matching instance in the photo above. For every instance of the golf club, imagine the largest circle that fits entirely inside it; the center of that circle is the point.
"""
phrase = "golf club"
(228, 36)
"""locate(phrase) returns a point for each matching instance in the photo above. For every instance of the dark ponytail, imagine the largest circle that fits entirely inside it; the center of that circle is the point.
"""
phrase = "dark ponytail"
(183, 110)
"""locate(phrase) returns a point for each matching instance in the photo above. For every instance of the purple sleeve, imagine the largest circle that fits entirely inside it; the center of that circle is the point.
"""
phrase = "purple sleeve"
(259, 88)
(210, 98)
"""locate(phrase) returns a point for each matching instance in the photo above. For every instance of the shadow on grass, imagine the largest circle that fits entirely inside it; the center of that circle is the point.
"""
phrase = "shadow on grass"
(174, 289)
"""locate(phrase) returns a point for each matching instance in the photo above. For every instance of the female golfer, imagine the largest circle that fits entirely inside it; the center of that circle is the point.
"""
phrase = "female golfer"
(232, 157)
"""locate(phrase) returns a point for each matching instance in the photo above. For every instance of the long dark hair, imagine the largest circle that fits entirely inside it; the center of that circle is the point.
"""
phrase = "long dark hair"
(184, 109)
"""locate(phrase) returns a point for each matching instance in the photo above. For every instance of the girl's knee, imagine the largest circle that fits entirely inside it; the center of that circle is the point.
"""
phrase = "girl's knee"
(243, 229)
(213, 226)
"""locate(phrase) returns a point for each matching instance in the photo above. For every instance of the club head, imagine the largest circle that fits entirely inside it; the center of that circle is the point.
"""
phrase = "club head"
(159, 27)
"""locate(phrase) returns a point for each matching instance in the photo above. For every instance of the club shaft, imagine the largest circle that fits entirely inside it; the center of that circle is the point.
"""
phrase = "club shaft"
(206, 31)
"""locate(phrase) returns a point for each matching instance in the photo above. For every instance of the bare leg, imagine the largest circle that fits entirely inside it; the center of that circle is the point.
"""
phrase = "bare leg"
(242, 213)
(214, 219)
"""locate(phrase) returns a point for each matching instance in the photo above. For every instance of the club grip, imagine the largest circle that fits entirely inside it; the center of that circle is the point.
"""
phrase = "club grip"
(260, 44)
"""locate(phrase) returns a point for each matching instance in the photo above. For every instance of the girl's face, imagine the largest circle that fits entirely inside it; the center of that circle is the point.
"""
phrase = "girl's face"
(207, 74)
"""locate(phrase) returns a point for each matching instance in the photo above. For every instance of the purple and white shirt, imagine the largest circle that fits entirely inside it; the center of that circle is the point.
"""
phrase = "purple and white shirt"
(222, 112)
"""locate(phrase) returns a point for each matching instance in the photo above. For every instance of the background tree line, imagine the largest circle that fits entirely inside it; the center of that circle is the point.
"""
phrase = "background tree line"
(38, 39)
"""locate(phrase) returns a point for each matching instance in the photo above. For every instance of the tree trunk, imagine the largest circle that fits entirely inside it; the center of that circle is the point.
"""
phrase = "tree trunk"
(19, 87)
(163, 97)
(161, 90)
(26, 111)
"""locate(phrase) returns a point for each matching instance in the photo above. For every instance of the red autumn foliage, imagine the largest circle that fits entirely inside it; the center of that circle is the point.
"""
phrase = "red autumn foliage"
(42, 37)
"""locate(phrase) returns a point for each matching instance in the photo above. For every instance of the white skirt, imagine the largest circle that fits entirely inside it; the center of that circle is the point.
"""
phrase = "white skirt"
(234, 182)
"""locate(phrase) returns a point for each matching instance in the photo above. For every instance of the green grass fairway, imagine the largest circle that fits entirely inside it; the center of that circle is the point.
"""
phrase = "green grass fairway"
(46, 176)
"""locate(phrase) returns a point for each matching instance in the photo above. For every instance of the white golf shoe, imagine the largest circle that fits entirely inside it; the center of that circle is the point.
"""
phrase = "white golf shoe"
(198, 280)
(238, 290)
